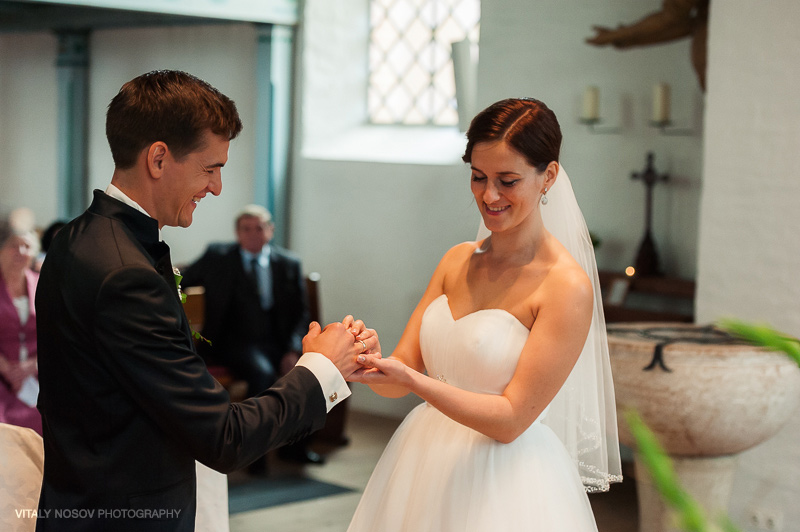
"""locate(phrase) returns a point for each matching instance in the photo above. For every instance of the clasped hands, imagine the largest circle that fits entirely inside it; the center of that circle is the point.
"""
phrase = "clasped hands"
(352, 347)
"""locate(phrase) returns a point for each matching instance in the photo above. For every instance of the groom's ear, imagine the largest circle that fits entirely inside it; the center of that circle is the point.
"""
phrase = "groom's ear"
(156, 158)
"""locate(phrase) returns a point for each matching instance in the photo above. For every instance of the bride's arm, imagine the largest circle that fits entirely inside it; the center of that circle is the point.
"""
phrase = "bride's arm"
(552, 348)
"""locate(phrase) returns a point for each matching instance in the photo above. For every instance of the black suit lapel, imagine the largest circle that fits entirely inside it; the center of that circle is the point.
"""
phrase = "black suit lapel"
(143, 229)
(163, 263)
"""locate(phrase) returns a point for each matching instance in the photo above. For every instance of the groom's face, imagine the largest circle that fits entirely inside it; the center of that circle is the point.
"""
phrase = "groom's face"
(184, 181)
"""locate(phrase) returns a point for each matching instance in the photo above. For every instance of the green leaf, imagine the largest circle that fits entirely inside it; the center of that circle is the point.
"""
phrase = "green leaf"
(178, 278)
(763, 336)
(197, 336)
(727, 525)
(691, 516)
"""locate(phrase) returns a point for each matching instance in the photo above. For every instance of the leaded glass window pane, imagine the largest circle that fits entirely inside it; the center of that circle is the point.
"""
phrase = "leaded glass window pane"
(411, 70)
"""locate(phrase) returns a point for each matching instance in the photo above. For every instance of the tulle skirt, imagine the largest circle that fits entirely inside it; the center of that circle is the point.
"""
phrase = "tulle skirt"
(437, 475)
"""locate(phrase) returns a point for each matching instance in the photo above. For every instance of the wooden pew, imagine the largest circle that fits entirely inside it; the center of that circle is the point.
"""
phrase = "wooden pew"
(195, 311)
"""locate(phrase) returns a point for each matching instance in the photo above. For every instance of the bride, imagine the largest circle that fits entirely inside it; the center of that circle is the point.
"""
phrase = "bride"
(508, 349)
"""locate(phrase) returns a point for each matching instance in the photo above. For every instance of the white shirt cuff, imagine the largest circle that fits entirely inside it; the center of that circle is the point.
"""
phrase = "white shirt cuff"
(333, 384)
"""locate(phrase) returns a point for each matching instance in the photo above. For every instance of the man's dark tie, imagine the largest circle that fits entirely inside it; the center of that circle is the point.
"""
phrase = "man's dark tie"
(254, 273)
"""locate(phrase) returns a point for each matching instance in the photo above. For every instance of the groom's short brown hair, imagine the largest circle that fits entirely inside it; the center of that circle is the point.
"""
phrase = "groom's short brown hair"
(169, 106)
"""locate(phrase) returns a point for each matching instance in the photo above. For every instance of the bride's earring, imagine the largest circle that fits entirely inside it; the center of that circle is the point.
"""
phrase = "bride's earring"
(544, 196)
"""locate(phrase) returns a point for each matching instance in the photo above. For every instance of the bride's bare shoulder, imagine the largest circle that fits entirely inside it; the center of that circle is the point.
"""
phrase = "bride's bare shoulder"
(461, 252)
(569, 280)
(452, 264)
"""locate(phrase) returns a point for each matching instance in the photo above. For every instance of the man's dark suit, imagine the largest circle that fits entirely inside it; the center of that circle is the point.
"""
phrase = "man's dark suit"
(127, 405)
(234, 319)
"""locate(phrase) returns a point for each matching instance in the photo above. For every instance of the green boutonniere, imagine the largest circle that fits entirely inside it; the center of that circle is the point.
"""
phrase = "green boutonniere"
(178, 277)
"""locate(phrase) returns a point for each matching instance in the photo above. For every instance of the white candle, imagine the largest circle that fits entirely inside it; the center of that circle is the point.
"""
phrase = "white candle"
(661, 103)
(591, 103)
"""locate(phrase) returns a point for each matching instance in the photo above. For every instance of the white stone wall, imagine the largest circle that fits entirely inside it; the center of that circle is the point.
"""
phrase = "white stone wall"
(28, 128)
(749, 261)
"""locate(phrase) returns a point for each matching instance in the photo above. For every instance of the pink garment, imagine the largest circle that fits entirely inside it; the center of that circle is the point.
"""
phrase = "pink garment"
(12, 410)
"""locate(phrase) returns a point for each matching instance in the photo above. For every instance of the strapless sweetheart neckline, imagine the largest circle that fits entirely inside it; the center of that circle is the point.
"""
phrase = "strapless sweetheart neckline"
(475, 312)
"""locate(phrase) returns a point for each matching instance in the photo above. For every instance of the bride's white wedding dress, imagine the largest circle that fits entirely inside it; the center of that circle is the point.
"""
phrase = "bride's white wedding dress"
(437, 475)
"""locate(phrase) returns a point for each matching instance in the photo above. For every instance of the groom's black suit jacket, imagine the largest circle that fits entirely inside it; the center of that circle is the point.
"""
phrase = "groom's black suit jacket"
(127, 405)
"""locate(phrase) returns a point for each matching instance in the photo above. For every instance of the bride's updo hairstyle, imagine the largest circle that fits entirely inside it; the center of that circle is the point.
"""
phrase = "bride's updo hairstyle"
(527, 125)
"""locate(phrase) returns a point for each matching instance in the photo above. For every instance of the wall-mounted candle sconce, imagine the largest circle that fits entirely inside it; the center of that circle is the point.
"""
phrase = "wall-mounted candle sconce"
(661, 112)
(590, 114)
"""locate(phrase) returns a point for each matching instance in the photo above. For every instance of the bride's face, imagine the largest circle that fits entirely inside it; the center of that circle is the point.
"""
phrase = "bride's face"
(506, 187)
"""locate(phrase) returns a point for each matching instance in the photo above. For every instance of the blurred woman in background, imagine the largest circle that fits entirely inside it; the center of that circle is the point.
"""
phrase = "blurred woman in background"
(18, 374)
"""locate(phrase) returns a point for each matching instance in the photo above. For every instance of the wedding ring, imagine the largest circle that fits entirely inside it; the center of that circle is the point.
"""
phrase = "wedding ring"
(365, 345)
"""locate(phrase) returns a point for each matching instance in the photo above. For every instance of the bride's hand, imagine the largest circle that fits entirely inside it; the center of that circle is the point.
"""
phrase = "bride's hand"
(361, 334)
(377, 370)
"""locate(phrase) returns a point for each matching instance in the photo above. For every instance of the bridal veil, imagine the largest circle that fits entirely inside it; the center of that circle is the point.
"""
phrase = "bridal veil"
(583, 413)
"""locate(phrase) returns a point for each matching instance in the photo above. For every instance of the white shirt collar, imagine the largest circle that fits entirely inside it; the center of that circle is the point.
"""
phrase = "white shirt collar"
(117, 194)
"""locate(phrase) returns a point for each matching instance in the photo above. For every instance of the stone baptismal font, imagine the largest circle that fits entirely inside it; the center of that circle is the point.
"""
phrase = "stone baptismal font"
(706, 396)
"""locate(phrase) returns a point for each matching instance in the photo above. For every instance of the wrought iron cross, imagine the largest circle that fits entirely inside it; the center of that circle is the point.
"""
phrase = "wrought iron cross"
(647, 256)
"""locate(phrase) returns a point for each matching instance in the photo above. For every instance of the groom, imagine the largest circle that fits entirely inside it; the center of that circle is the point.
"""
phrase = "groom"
(127, 405)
